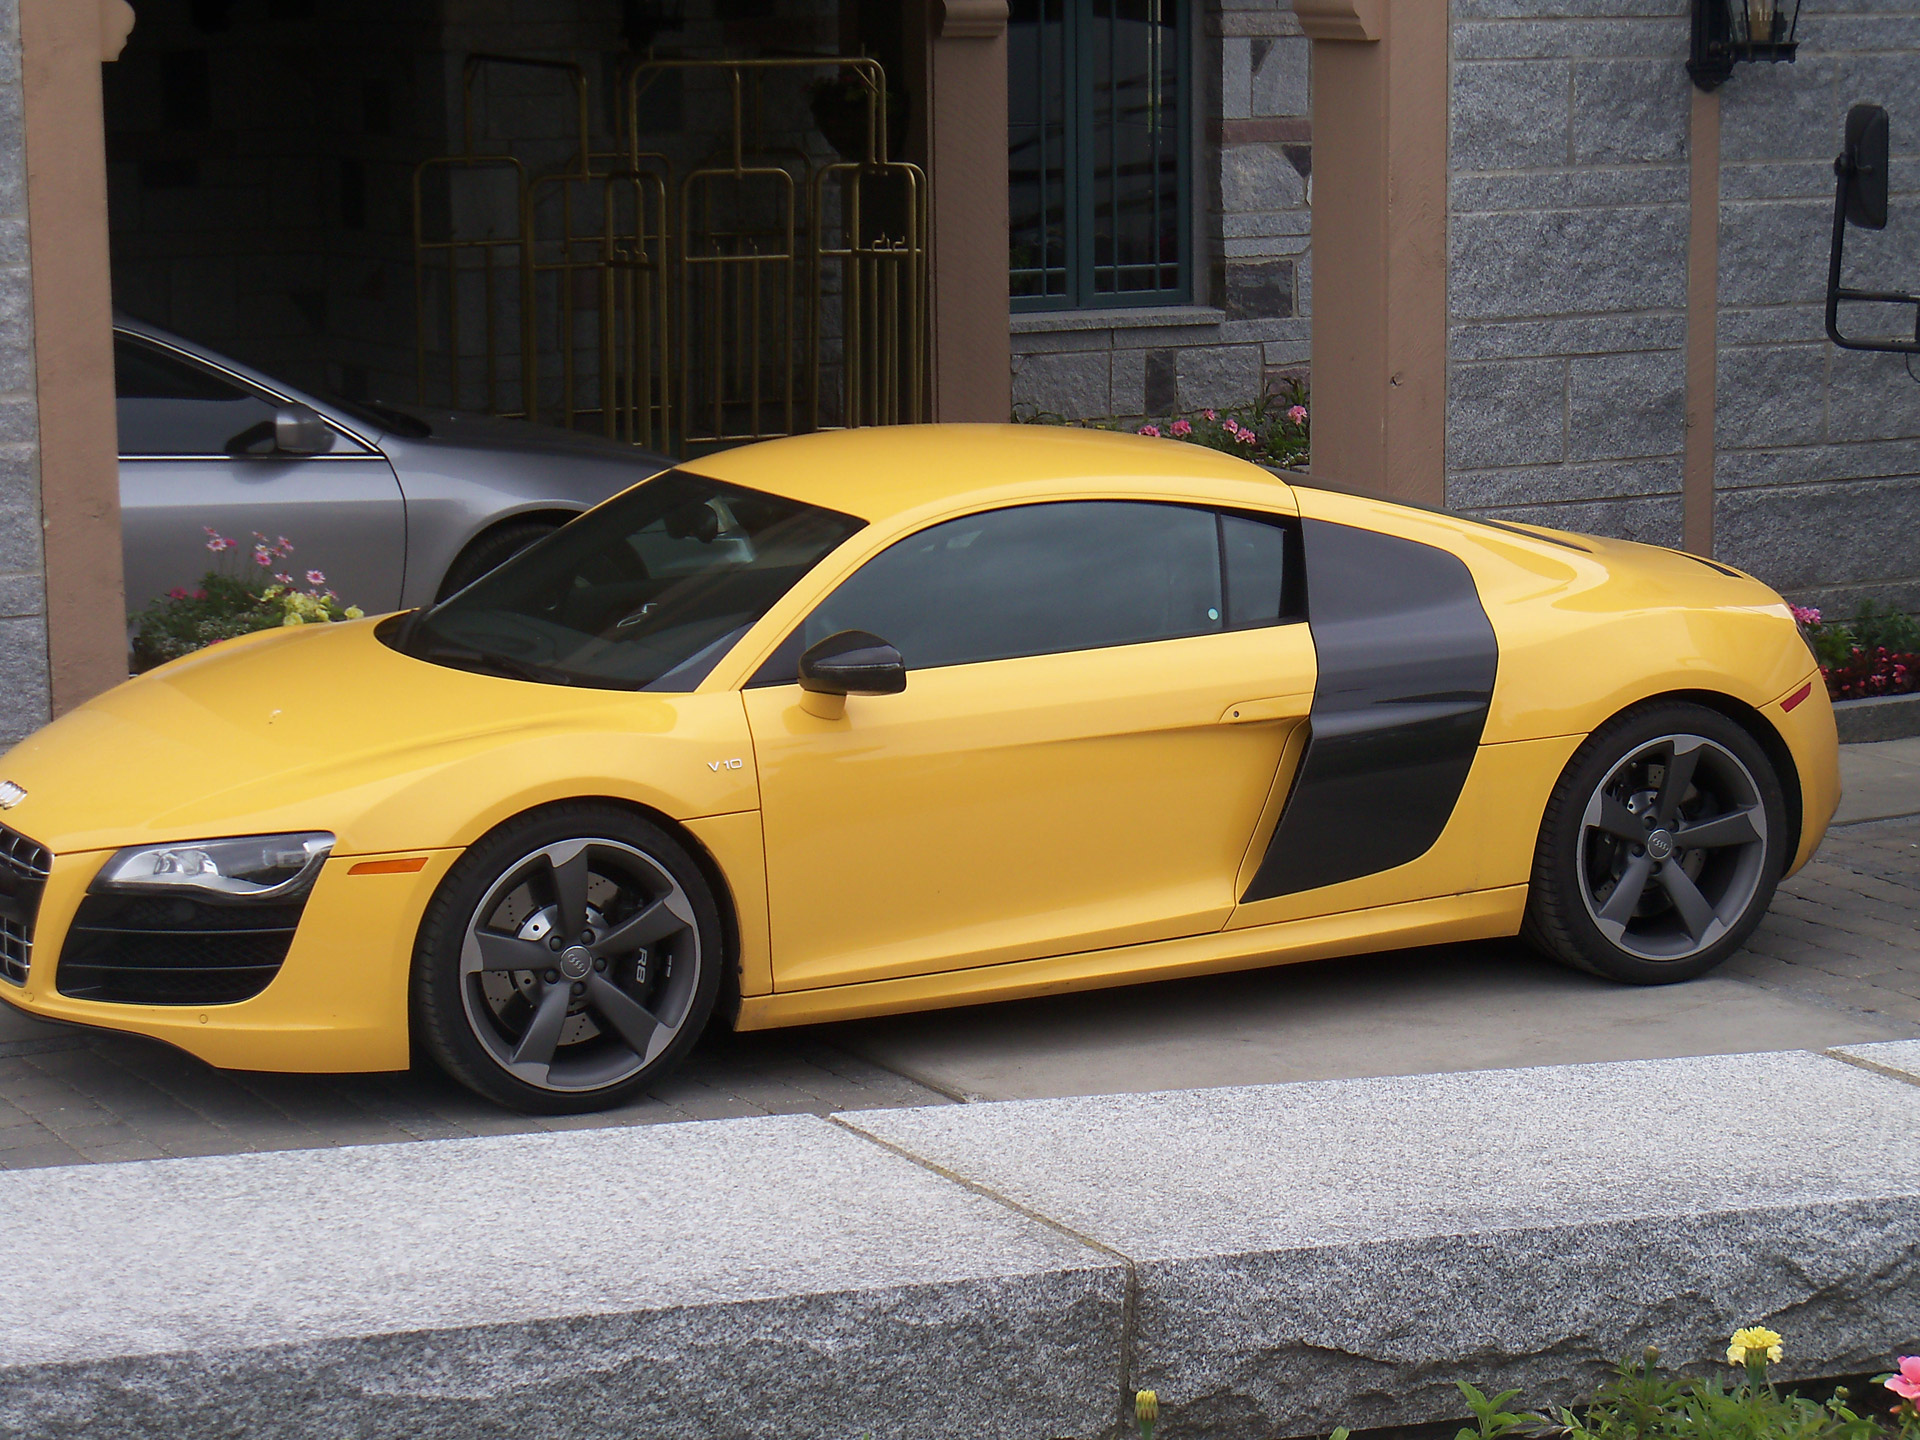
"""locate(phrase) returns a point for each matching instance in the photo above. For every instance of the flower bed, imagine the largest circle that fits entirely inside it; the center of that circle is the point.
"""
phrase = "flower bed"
(251, 596)
(1644, 1402)
(1273, 430)
(1874, 654)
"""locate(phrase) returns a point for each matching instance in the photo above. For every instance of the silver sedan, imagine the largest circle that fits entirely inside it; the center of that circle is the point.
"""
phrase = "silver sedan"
(396, 507)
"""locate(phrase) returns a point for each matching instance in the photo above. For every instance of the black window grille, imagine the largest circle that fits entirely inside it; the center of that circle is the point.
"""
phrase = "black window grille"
(1097, 153)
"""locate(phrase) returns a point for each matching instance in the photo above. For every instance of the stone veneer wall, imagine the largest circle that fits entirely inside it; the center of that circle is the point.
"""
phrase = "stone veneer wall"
(1251, 271)
(1567, 283)
(1567, 233)
(1818, 483)
(24, 702)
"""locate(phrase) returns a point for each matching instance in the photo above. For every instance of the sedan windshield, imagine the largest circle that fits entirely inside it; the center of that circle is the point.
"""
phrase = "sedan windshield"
(647, 592)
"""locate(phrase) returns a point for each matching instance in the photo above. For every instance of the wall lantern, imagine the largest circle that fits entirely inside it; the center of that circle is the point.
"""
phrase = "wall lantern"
(1726, 32)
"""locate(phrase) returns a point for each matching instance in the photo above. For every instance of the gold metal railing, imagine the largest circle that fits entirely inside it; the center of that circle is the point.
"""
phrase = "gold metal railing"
(755, 295)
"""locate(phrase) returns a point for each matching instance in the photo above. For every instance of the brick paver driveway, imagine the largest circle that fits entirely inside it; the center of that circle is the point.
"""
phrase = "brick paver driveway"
(1844, 932)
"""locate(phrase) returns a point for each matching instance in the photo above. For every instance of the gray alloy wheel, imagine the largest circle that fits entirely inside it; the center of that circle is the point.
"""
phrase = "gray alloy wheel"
(1660, 846)
(580, 965)
(1673, 848)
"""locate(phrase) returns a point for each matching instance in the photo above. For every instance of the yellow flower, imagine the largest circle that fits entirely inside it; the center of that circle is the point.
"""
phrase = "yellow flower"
(292, 620)
(1146, 1406)
(1754, 1342)
(354, 612)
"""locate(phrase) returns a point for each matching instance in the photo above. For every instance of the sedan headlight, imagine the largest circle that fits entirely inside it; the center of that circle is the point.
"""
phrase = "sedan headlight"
(249, 867)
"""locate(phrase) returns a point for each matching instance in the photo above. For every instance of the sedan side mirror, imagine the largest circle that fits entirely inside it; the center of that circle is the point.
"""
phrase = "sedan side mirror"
(851, 662)
(299, 430)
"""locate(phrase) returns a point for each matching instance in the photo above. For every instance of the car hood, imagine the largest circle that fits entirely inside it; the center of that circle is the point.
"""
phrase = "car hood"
(288, 729)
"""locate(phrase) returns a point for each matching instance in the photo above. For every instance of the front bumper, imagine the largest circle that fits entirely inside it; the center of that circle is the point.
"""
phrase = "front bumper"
(338, 1002)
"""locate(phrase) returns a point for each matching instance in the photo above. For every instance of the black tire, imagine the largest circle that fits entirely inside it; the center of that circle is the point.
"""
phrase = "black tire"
(600, 1010)
(1615, 889)
(492, 550)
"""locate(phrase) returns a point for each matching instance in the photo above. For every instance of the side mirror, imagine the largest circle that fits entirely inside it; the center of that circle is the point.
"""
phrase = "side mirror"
(299, 430)
(1860, 198)
(852, 663)
(1863, 163)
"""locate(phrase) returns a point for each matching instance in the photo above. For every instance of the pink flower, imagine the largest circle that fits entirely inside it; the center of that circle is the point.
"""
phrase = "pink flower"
(1246, 437)
(1148, 430)
(314, 577)
(262, 559)
(1806, 615)
(1180, 429)
(1906, 1384)
(1210, 414)
(199, 594)
(1298, 414)
(177, 593)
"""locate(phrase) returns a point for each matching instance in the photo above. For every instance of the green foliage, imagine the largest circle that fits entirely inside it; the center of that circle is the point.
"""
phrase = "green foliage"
(1877, 652)
(1642, 1402)
(228, 604)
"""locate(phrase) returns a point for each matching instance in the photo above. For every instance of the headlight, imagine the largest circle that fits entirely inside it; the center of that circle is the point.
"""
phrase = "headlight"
(251, 867)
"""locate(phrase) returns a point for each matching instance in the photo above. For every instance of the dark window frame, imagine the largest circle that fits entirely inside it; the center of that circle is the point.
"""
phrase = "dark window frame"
(1065, 42)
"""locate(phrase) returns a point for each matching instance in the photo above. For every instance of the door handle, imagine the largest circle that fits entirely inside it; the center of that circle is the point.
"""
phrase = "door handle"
(1276, 707)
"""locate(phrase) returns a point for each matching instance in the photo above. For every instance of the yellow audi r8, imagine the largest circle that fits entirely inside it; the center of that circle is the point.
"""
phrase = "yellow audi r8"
(883, 720)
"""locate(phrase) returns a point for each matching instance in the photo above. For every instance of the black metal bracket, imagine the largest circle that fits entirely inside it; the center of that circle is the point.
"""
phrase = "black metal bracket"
(1714, 49)
(1846, 168)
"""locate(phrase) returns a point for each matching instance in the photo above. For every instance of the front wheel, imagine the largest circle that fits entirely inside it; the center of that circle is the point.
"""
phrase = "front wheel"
(1660, 848)
(570, 957)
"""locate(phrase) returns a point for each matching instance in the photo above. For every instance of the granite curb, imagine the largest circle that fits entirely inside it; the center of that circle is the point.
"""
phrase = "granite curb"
(1274, 1259)
(1880, 717)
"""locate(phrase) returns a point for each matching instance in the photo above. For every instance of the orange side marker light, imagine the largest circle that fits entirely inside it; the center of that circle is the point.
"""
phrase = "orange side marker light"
(1797, 696)
(390, 867)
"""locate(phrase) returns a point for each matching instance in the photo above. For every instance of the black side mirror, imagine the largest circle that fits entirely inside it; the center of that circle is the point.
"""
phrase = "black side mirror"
(299, 430)
(1860, 198)
(1863, 166)
(853, 663)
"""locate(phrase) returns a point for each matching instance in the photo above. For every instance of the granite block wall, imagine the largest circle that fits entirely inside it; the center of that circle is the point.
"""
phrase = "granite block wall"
(1567, 237)
(1818, 449)
(23, 626)
(1247, 328)
(1566, 340)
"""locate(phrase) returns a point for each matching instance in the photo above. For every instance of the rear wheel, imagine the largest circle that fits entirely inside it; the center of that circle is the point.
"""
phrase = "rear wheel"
(571, 957)
(1660, 848)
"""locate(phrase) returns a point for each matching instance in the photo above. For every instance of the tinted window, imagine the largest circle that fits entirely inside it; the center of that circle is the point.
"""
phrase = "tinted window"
(647, 592)
(170, 406)
(1259, 571)
(1035, 580)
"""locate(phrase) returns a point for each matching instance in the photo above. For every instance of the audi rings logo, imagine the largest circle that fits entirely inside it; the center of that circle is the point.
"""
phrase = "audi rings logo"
(10, 794)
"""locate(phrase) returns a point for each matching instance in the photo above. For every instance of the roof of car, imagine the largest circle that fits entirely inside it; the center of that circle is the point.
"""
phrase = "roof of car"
(879, 471)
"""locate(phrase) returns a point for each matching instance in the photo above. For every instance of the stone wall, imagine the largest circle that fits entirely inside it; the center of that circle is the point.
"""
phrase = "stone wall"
(1567, 238)
(1818, 476)
(1248, 324)
(1566, 340)
(23, 623)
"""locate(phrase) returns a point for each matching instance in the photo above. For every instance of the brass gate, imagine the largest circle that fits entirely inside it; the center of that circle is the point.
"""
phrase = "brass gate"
(757, 292)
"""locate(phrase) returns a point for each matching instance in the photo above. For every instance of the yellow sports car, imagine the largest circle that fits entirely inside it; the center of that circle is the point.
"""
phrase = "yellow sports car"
(890, 719)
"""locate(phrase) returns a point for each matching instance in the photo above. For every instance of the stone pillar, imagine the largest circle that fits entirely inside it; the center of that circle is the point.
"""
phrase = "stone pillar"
(967, 149)
(1380, 243)
(66, 365)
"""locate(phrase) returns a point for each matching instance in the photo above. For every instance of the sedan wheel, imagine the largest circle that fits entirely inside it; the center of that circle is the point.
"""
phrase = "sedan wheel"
(1661, 848)
(562, 972)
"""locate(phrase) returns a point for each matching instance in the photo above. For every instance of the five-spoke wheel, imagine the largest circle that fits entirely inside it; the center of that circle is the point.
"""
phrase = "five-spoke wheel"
(569, 956)
(1660, 848)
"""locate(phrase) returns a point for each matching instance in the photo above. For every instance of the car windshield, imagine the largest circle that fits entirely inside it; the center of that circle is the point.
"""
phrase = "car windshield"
(647, 592)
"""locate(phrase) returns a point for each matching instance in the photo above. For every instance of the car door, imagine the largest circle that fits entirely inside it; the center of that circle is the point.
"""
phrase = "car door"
(1094, 722)
(182, 472)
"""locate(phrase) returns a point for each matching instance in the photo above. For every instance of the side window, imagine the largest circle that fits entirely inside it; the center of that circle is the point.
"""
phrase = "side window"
(1263, 571)
(169, 406)
(1034, 580)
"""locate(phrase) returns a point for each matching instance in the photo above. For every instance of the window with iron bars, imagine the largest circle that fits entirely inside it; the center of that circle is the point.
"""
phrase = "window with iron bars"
(1097, 153)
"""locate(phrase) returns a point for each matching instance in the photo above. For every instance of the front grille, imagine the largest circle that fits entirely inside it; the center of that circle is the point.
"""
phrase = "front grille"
(172, 950)
(24, 867)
